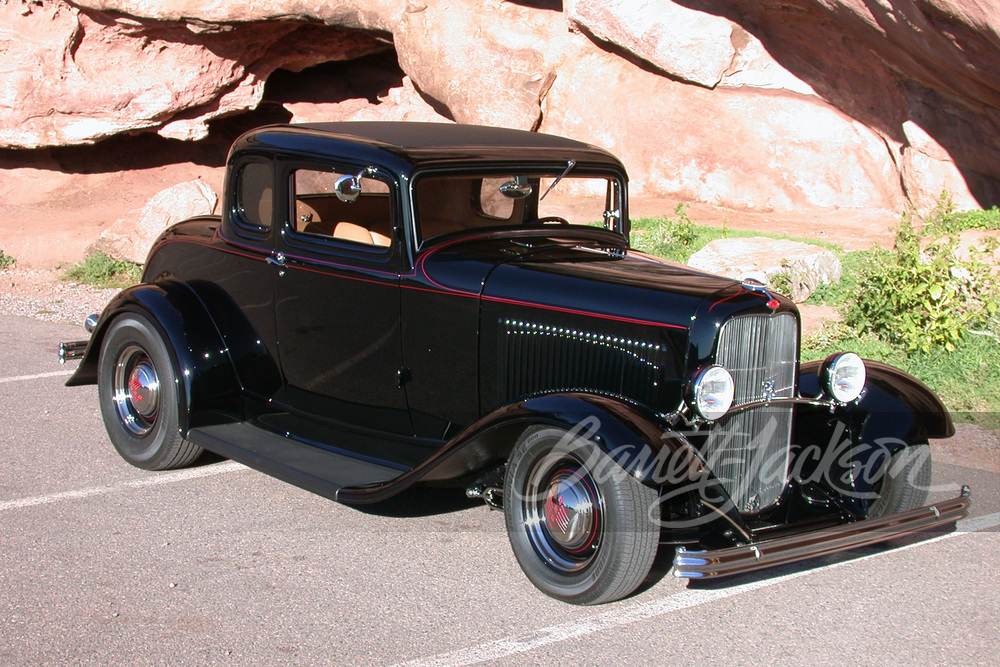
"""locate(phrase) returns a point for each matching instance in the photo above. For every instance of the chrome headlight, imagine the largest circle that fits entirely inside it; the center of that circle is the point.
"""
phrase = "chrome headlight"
(844, 376)
(712, 392)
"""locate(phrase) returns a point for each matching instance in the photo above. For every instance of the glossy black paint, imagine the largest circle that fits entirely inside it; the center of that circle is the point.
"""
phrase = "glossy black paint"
(210, 391)
(428, 360)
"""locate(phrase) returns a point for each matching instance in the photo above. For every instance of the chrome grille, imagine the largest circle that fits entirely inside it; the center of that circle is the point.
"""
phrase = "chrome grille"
(748, 450)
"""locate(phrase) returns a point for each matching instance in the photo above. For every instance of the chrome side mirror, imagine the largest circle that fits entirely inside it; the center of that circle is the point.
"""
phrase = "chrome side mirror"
(348, 187)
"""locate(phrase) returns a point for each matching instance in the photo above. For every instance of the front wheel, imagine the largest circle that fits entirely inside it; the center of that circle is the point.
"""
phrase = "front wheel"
(583, 530)
(139, 396)
(903, 481)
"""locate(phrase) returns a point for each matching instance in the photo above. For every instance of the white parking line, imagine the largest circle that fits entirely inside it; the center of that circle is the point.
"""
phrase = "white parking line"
(161, 478)
(36, 376)
(625, 614)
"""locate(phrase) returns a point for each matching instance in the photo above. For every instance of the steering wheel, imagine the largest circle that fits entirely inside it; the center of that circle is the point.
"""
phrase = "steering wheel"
(551, 219)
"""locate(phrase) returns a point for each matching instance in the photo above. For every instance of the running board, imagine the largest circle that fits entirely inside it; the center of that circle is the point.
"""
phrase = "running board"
(310, 467)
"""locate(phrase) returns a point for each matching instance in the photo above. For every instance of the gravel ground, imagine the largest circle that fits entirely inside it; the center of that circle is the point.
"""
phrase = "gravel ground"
(42, 295)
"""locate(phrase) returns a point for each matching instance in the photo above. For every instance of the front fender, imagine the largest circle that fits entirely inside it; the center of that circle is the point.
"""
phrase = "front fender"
(895, 405)
(844, 448)
(637, 440)
(209, 388)
(630, 435)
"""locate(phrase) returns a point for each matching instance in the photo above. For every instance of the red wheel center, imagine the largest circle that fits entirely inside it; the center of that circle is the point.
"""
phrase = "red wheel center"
(570, 512)
(556, 515)
(135, 390)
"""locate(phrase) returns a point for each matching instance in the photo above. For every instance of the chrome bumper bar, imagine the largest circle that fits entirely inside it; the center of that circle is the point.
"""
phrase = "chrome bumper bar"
(72, 350)
(792, 548)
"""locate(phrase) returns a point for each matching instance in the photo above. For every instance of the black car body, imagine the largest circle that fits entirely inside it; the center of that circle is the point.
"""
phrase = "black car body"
(387, 304)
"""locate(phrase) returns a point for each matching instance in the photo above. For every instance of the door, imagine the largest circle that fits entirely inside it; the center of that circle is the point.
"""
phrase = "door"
(337, 301)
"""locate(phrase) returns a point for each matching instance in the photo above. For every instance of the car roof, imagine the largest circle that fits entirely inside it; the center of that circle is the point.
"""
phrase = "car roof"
(416, 143)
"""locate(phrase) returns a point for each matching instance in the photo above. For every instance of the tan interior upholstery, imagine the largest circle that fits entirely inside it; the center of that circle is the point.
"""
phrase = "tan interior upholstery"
(381, 239)
(352, 232)
(366, 221)
(451, 203)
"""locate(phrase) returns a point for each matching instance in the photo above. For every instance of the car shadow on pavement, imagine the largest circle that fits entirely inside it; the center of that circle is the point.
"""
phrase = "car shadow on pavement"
(421, 501)
(414, 502)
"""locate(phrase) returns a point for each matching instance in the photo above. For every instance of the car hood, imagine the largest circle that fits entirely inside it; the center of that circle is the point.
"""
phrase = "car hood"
(592, 275)
(625, 286)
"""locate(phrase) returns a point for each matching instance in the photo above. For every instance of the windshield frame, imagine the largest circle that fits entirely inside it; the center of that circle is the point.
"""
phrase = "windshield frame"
(548, 171)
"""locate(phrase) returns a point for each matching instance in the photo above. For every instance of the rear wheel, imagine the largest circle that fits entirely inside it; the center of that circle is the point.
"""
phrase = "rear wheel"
(139, 396)
(583, 530)
(903, 482)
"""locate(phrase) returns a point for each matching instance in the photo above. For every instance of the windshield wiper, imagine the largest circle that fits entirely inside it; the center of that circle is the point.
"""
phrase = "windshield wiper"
(569, 165)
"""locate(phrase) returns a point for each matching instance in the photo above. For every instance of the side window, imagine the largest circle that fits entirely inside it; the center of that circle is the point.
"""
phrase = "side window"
(318, 211)
(255, 196)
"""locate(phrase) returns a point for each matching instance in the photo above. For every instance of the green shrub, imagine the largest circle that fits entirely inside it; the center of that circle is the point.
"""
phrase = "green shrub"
(781, 282)
(671, 238)
(6, 261)
(920, 294)
(906, 289)
(100, 270)
(964, 378)
(852, 264)
(680, 237)
(944, 219)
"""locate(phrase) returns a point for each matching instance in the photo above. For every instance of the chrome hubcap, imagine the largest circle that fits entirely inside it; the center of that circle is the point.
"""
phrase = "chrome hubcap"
(136, 391)
(563, 509)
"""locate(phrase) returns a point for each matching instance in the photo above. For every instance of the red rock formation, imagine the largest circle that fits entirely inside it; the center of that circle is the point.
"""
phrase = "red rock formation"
(923, 74)
(764, 105)
(71, 76)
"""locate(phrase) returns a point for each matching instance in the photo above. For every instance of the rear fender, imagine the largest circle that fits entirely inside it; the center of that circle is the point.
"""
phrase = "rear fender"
(209, 388)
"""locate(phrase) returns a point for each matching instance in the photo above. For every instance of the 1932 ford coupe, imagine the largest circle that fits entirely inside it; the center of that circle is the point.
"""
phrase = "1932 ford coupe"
(389, 304)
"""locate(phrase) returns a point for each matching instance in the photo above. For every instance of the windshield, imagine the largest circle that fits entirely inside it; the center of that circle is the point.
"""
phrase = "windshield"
(452, 203)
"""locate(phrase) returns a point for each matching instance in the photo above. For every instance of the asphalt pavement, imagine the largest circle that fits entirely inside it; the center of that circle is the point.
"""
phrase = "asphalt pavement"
(102, 563)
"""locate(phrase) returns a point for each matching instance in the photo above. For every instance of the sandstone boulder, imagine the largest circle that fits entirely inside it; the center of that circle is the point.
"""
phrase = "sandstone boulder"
(932, 63)
(104, 75)
(690, 45)
(684, 43)
(131, 237)
(770, 261)
(928, 170)
(209, 14)
(741, 148)
(484, 61)
(980, 245)
(800, 104)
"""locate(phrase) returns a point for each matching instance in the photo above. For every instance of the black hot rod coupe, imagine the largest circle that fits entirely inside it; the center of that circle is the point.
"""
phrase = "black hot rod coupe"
(389, 304)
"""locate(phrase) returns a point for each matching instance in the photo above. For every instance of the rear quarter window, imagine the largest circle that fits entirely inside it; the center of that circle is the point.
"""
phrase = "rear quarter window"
(255, 197)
